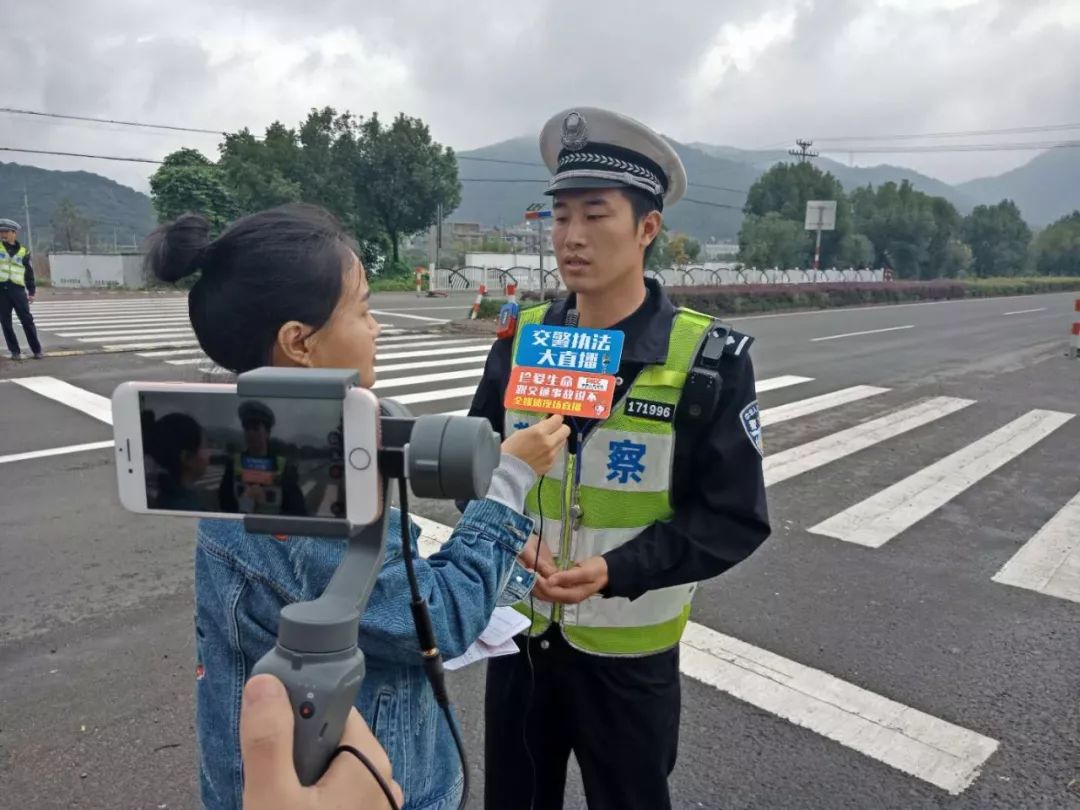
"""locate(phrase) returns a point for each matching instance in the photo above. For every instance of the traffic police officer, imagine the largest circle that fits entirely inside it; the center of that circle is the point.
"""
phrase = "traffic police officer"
(17, 290)
(664, 493)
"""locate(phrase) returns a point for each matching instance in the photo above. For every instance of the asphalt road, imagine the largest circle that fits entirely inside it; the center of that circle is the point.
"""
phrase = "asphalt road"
(897, 675)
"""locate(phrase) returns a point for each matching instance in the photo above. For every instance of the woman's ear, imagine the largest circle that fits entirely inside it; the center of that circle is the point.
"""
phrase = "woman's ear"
(291, 347)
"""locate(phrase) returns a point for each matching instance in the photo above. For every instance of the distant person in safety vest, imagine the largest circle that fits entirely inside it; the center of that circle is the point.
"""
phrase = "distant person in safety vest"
(17, 290)
(257, 481)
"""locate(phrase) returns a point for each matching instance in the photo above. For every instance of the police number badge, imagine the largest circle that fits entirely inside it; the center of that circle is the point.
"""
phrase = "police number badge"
(575, 132)
(751, 422)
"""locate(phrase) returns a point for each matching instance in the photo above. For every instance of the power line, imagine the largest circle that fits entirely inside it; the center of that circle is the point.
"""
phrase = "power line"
(954, 147)
(78, 154)
(499, 160)
(712, 204)
(38, 113)
(956, 134)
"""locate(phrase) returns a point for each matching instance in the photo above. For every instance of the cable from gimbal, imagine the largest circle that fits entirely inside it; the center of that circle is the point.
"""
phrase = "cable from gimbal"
(425, 634)
(374, 772)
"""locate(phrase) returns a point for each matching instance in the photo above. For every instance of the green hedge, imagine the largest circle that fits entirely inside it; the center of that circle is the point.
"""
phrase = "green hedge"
(392, 284)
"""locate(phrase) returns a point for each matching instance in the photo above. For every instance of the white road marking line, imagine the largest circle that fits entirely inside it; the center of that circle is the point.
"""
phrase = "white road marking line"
(421, 379)
(426, 309)
(427, 353)
(55, 451)
(798, 460)
(1025, 311)
(478, 357)
(105, 323)
(884, 515)
(784, 381)
(187, 361)
(94, 309)
(833, 310)
(402, 338)
(1050, 561)
(155, 344)
(434, 396)
(170, 353)
(464, 412)
(486, 345)
(144, 332)
(182, 352)
(857, 334)
(931, 749)
(80, 399)
(936, 751)
(445, 361)
(404, 315)
(805, 407)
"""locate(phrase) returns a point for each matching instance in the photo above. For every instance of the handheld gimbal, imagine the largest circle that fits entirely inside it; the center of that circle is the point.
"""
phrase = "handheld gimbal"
(316, 655)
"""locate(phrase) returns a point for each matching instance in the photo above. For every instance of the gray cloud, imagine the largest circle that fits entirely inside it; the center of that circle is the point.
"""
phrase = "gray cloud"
(722, 72)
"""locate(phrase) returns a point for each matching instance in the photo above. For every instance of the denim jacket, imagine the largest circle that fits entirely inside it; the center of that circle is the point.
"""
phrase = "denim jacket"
(241, 583)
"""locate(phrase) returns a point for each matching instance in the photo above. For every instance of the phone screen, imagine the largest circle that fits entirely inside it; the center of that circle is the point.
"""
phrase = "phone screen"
(219, 452)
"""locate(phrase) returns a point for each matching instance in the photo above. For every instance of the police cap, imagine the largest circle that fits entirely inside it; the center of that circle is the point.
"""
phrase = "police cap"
(587, 147)
(8, 225)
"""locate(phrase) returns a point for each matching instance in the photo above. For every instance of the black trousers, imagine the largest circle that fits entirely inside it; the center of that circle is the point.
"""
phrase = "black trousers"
(13, 297)
(620, 717)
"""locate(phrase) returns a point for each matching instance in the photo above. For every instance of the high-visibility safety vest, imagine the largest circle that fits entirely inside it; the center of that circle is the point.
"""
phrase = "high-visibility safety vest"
(266, 472)
(11, 267)
(615, 486)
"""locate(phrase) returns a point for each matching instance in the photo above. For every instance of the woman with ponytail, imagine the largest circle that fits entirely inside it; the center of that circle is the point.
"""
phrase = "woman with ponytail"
(284, 287)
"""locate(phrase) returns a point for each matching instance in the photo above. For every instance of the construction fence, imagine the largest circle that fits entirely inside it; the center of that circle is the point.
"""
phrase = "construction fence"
(528, 278)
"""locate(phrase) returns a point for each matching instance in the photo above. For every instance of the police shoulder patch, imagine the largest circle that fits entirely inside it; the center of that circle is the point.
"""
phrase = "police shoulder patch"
(750, 416)
(737, 343)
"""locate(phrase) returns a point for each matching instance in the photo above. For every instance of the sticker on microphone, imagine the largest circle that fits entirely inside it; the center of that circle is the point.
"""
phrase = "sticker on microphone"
(567, 348)
(571, 393)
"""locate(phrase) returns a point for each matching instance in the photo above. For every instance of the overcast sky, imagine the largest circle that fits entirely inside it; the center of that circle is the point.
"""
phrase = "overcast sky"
(478, 71)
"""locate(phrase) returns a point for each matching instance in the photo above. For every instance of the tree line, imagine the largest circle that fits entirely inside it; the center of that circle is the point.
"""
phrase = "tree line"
(383, 181)
(915, 234)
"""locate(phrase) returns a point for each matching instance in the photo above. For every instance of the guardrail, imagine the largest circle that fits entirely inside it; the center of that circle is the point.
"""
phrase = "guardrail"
(528, 278)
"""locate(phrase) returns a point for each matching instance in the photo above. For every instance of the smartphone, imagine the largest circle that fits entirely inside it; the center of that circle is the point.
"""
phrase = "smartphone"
(201, 450)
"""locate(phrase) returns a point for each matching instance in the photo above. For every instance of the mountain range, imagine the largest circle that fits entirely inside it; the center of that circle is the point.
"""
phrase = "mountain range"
(118, 214)
(1046, 188)
(499, 181)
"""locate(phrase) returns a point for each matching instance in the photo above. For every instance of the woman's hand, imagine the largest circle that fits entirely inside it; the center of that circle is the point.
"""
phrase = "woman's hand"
(539, 445)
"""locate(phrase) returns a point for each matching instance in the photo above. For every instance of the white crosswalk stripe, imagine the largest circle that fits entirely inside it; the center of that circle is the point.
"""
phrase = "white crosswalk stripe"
(150, 327)
(1050, 561)
(879, 518)
(424, 379)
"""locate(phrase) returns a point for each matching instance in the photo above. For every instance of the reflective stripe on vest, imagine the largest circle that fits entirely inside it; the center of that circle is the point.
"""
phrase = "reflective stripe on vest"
(622, 488)
(11, 267)
(269, 480)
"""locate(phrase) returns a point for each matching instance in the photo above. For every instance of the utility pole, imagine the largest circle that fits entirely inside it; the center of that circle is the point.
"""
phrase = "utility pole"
(804, 152)
(29, 227)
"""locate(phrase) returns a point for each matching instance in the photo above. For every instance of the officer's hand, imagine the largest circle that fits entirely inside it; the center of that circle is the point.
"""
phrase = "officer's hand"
(539, 445)
(545, 565)
(570, 587)
(30, 298)
(270, 780)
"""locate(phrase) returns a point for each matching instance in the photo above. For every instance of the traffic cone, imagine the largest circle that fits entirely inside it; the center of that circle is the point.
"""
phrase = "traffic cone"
(476, 304)
(1074, 343)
